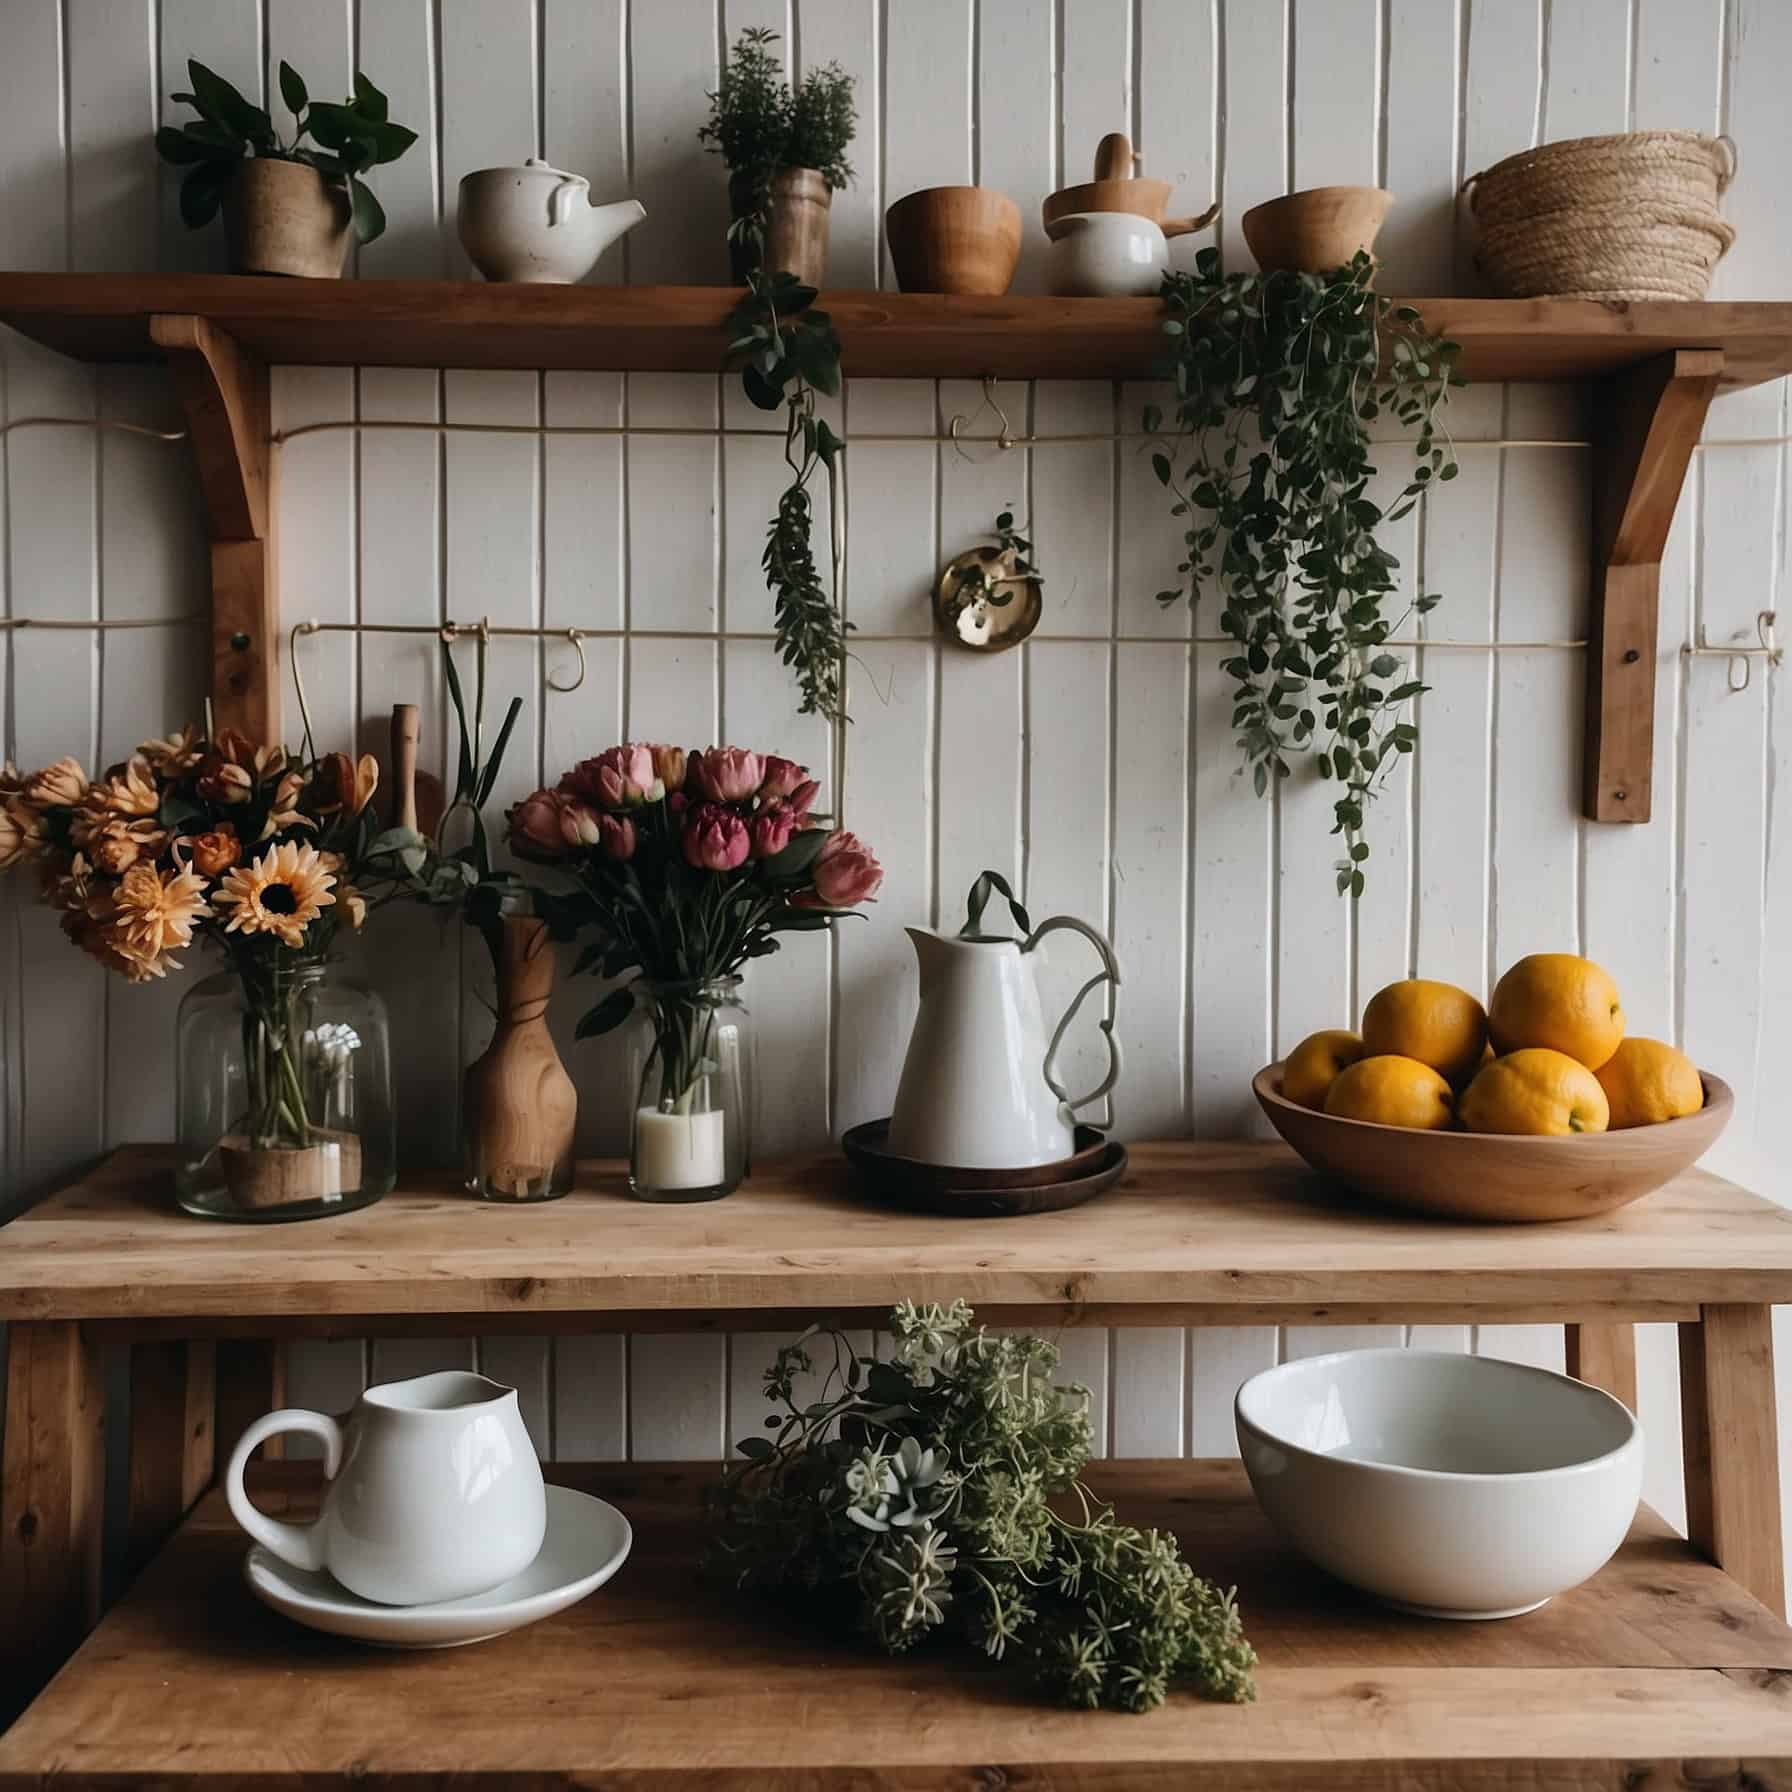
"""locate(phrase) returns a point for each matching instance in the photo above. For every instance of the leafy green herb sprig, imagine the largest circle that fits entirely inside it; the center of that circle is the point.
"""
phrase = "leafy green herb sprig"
(345, 139)
(921, 1490)
(1278, 377)
(787, 351)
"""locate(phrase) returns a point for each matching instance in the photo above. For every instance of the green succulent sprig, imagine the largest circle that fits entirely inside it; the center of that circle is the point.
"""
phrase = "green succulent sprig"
(1278, 378)
(939, 1492)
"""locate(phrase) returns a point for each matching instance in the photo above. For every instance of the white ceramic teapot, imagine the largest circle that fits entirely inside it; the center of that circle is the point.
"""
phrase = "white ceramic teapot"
(434, 1491)
(537, 223)
(977, 1087)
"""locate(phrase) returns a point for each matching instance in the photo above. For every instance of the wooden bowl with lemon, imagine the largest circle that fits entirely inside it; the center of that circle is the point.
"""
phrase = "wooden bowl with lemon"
(1539, 1107)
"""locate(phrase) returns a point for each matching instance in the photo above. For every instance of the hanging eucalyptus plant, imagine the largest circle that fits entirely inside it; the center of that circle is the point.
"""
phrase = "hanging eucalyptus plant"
(787, 352)
(1278, 378)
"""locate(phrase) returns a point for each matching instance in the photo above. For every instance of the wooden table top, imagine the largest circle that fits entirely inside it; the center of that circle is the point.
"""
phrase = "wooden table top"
(1196, 1232)
(664, 1679)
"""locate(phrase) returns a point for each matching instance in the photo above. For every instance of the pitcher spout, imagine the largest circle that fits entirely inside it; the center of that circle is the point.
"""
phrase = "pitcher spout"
(932, 950)
(617, 220)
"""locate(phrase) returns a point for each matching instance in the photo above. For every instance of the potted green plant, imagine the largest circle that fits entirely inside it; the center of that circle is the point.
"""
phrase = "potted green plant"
(786, 154)
(289, 205)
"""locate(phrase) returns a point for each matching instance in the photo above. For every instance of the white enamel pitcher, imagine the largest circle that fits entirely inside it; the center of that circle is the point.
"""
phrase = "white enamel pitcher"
(434, 1491)
(977, 1085)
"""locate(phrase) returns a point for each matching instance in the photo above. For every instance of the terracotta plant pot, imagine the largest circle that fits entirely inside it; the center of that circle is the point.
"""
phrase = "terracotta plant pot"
(796, 241)
(1315, 231)
(954, 239)
(285, 218)
(519, 1107)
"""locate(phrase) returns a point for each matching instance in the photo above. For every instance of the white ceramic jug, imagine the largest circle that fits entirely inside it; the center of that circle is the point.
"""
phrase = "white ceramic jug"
(537, 223)
(1107, 254)
(434, 1491)
(977, 1087)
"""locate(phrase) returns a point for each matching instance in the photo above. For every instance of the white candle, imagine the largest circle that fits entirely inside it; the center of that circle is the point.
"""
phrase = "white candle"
(678, 1150)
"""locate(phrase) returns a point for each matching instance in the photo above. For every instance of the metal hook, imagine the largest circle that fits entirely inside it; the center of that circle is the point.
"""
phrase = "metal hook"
(1738, 670)
(577, 638)
(1004, 429)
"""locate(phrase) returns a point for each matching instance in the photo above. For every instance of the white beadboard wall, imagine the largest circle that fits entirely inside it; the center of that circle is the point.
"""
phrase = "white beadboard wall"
(1095, 765)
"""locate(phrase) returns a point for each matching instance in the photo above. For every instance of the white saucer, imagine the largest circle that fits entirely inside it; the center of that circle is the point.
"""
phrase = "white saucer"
(587, 1541)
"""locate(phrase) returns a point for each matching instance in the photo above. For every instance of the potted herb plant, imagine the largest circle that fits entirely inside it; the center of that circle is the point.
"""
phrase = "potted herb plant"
(289, 205)
(786, 154)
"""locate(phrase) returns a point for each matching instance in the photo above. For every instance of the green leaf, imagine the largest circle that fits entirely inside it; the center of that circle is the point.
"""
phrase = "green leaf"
(218, 100)
(608, 1015)
(1160, 465)
(184, 149)
(370, 215)
(369, 101)
(292, 89)
(490, 775)
(202, 192)
(757, 1449)
(464, 784)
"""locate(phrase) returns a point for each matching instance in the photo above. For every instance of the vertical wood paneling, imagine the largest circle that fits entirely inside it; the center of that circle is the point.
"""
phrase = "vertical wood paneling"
(672, 545)
(1178, 104)
(397, 53)
(522, 1363)
(585, 104)
(226, 36)
(1072, 513)
(1254, 119)
(1147, 1401)
(112, 106)
(326, 1375)
(1501, 92)
(1337, 88)
(1095, 90)
(591, 1399)
(1420, 142)
(490, 109)
(1589, 69)
(846, 32)
(1679, 52)
(890, 489)
(928, 98)
(1016, 124)
(672, 51)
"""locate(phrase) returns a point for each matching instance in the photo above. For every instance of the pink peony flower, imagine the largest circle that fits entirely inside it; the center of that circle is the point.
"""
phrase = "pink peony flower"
(578, 821)
(618, 778)
(782, 776)
(802, 799)
(669, 766)
(727, 774)
(846, 871)
(535, 826)
(619, 836)
(771, 829)
(715, 838)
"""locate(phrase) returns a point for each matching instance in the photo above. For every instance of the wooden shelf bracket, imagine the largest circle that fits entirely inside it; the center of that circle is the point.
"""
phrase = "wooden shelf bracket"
(1643, 440)
(224, 392)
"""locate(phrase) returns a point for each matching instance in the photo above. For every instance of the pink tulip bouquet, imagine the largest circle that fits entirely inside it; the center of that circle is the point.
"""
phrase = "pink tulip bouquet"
(689, 864)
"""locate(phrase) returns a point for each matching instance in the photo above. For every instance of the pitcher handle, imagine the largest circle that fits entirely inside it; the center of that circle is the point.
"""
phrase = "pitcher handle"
(1109, 973)
(299, 1545)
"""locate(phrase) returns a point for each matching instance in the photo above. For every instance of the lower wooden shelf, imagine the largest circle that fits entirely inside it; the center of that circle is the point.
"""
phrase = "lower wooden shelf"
(1660, 1670)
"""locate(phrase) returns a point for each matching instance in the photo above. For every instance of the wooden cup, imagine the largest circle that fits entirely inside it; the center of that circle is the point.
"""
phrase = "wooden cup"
(1314, 231)
(954, 239)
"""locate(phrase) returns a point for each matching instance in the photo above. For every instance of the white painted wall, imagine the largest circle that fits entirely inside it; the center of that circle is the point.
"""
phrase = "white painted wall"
(1096, 763)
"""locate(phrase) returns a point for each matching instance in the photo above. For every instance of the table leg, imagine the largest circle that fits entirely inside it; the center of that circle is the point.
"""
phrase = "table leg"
(52, 1503)
(1604, 1356)
(251, 1381)
(173, 1413)
(1731, 1443)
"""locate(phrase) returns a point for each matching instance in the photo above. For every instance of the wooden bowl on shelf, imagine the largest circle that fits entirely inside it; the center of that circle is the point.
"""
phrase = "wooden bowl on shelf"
(1314, 231)
(1506, 1177)
(954, 239)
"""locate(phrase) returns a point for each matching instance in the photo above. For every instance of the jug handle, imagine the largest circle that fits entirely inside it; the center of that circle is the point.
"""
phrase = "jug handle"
(571, 189)
(299, 1545)
(1109, 973)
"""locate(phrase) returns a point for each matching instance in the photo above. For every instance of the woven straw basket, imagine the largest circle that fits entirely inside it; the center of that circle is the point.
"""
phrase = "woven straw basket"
(1627, 217)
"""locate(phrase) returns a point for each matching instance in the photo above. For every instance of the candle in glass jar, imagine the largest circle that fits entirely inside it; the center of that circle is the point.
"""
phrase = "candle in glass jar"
(678, 1150)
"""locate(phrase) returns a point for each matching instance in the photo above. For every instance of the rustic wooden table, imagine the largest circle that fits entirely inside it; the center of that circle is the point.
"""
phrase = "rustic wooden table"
(1674, 1653)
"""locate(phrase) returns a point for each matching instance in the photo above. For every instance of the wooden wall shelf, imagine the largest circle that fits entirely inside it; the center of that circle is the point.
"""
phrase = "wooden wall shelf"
(1661, 361)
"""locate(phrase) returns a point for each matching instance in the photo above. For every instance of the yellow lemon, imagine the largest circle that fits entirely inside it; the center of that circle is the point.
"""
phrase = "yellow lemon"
(1646, 1081)
(1437, 1023)
(1534, 1090)
(1391, 1091)
(1314, 1064)
(1556, 1000)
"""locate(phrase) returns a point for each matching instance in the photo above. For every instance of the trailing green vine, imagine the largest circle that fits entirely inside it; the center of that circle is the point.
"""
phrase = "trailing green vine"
(787, 352)
(1278, 377)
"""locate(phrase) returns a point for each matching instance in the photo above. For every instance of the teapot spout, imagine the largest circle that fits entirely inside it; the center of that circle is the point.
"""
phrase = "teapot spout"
(616, 220)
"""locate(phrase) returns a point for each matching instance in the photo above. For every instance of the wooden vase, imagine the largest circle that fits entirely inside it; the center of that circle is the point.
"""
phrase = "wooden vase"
(285, 218)
(796, 241)
(519, 1108)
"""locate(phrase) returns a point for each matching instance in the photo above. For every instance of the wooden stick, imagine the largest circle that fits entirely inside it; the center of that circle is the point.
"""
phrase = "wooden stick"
(1604, 1356)
(405, 729)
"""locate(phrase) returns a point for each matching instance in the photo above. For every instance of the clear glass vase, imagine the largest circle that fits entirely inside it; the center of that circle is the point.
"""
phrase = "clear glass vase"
(284, 1093)
(690, 1090)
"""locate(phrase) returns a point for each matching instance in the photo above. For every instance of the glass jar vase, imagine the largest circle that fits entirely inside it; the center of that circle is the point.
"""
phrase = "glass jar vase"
(689, 1089)
(283, 1090)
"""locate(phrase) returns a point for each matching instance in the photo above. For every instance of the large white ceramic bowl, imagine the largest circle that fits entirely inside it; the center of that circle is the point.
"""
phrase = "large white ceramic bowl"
(1452, 1486)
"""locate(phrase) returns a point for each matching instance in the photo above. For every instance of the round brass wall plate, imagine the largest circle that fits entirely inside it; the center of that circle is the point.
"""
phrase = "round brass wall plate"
(981, 604)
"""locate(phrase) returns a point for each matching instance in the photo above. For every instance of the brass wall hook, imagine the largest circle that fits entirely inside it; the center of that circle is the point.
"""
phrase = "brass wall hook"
(576, 638)
(1005, 438)
(1740, 668)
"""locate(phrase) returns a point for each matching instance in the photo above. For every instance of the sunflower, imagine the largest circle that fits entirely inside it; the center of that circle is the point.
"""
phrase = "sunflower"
(153, 914)
(281, 893)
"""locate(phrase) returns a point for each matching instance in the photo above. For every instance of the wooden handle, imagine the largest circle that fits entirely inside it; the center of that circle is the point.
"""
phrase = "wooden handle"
(404, 765)
(1114, 157)
(1186, 226)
